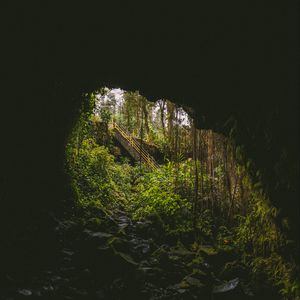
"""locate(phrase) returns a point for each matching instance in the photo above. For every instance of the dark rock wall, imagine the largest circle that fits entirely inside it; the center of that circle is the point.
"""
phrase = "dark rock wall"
(222, 59)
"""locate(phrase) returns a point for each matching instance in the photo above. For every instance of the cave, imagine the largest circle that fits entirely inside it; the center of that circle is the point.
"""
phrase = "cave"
(235, 65)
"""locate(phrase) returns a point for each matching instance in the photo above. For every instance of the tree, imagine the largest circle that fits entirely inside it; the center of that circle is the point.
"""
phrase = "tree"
(162, 108)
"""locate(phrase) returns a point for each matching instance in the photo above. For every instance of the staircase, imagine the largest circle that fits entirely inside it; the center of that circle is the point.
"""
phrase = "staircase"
(136, 151)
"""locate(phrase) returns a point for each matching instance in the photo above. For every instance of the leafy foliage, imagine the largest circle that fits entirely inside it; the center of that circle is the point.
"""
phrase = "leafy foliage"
(98, 182)
(203, 188)
(156, 193)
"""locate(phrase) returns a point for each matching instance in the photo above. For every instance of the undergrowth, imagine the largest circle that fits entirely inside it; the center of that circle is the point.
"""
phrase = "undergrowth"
(100, 183)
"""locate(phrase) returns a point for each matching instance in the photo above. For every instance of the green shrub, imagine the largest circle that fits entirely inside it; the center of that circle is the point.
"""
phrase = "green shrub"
(97, 179)
(156, 194)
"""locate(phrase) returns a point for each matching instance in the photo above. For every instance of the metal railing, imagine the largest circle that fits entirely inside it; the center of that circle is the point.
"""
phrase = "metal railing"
(144, 155)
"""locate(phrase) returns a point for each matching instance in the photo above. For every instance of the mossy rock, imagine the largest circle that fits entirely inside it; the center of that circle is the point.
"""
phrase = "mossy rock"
(161, 253)
(217, 258)
(181, 251)
(234, 269)
(143, 227)
(96, 238)
(197, 262)
(127, 258)
(93, 223)
(201, 275)
(191, 282)
(207, 250)
(109, 264)
(149, 274)
(119, 244)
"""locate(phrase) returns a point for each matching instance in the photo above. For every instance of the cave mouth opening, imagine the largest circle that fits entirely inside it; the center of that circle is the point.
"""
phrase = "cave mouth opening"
(205, 168)
(139, 162)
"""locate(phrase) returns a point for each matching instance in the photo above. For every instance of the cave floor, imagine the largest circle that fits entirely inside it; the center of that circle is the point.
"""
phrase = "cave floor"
(122, 259)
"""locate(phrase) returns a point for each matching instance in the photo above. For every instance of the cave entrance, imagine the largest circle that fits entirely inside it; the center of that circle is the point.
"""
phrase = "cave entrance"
(121, 131)
(153, 189)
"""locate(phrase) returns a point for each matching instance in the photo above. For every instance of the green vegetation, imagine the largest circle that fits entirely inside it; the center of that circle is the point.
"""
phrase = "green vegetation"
(201, 194)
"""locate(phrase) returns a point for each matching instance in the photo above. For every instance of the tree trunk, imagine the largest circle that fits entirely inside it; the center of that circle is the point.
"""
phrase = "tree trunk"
(196, 184)
(162, 105)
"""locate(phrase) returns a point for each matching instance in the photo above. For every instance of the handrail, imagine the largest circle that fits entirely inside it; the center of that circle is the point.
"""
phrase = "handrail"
(132, 142)
(140, 150)
(148, 159)
(144, 155)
